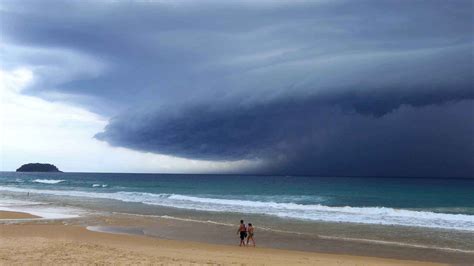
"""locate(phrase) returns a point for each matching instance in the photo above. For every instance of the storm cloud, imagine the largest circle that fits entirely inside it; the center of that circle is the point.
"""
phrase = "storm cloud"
(308, 87)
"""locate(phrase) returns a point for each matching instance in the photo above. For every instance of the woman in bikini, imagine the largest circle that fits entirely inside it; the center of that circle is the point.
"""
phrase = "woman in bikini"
(250, 230)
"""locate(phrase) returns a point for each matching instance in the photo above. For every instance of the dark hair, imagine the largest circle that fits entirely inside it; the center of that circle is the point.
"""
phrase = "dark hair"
(250, 224)
(241, 221)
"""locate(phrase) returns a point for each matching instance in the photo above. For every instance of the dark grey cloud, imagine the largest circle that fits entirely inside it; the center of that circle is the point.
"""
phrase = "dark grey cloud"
(289, 83)
(299, 136)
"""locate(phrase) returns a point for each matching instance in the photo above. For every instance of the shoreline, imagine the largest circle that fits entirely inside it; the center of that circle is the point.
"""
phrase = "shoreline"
(54, 242)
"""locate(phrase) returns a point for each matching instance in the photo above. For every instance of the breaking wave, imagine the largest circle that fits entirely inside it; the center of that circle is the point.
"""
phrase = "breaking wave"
(48, 181)
(314, 212)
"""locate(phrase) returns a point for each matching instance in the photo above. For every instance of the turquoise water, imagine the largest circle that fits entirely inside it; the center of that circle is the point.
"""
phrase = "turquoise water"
(421, 202)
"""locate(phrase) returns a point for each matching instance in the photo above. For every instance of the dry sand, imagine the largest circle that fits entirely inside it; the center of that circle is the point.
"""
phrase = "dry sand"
(55, 243)
(16, 215)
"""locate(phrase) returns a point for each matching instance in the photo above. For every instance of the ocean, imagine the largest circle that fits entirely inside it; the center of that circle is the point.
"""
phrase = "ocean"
(444, 203)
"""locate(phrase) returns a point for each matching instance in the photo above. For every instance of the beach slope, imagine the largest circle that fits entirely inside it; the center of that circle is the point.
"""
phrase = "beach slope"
(55, 243)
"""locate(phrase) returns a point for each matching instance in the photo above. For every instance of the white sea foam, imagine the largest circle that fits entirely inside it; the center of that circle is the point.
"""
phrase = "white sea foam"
(8, 202)
(45, 212)
(49, 181)
(315, 212)
(40, 209)
(99, 185)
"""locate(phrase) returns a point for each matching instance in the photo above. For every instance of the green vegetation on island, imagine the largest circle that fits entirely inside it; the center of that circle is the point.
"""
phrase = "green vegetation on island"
(38, 167)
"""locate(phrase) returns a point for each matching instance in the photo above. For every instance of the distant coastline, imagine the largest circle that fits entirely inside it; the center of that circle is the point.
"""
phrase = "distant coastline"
(38, 167)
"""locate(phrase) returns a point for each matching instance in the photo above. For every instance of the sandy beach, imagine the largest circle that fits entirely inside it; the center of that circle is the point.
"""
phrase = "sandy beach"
(16, 215)
(56, 243)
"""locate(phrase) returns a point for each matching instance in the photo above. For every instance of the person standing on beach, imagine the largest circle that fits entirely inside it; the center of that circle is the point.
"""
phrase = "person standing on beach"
(243, 232)
(250, 230)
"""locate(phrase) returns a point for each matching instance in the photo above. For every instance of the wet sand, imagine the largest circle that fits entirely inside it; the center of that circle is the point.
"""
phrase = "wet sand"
(225, 234)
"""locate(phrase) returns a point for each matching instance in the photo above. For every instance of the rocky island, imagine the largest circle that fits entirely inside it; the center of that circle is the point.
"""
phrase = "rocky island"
(38, 167)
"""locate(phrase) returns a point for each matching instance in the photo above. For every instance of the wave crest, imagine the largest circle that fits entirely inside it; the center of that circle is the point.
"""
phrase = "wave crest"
(48, 181)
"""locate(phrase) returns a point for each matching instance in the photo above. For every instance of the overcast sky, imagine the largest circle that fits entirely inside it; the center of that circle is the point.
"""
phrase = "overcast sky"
(379, 88)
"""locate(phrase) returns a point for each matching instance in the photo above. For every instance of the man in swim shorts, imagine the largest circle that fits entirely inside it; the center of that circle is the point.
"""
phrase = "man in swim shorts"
(243, 232)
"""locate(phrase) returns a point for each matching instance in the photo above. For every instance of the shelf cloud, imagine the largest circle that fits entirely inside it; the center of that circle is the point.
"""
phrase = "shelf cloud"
(373, 88)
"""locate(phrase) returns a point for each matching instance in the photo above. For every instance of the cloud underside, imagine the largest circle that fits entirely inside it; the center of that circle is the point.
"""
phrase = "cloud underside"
(304, 137)
(320, 88)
